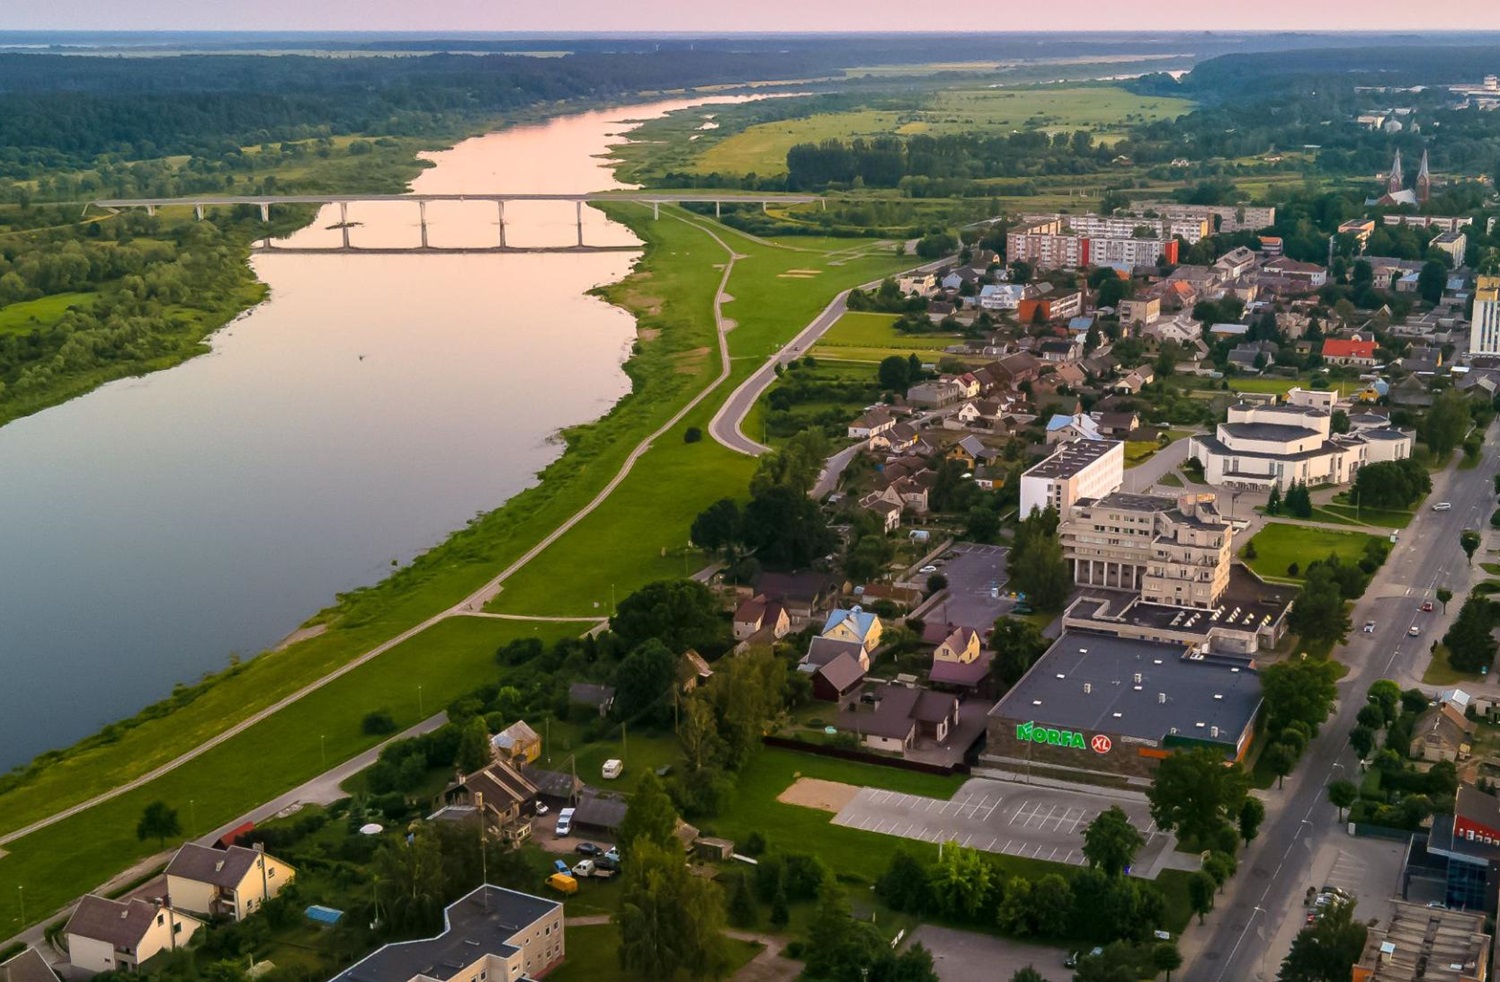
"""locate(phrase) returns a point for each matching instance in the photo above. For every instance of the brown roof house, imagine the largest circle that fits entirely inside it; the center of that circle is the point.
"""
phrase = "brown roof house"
(117, 935)
(693, 670)
(28, 966)
(517, 743)
(1443, 733)
(759, 615)
(505, 797)
(958, 660)
(231, 882)
(902, 715)
(839, 681)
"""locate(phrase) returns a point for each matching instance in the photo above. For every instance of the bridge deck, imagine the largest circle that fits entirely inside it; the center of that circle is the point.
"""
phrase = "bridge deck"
(434, 250)
(331, 199)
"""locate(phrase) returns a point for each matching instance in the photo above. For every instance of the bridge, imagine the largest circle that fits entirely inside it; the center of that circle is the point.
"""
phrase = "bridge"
(264, 202)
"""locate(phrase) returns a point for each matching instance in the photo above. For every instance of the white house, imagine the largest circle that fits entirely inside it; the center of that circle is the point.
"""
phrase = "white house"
(876, 420)
(1081, 469)
(233, 882)
(1001, 296)
(1264, 446)
(114, 935)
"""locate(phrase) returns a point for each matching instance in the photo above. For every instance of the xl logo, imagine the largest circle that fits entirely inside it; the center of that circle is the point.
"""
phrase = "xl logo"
(1101, 744)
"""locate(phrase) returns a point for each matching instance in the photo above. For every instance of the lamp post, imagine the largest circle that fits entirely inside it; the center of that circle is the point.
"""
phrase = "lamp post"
(21, 895)
(420, 710)
(323, 748)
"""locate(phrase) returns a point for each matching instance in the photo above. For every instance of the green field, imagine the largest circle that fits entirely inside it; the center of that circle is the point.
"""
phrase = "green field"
(1279, 544)
(27, 316)
(593, 955)
(1105, 110)
(1264, 386)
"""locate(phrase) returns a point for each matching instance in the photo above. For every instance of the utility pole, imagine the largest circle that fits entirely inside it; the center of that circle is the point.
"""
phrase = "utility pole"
(420, 711)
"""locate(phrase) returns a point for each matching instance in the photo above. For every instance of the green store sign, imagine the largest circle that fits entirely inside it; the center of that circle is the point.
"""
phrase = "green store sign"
(1053, 738)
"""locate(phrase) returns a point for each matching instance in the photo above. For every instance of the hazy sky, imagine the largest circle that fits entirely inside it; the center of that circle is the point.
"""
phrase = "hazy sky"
(744, 15)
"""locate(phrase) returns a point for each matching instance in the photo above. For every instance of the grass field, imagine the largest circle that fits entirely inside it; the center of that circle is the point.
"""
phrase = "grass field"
(762, 149)
(869, 338)
(1440, 672)
(1279, 544)
(1264, 386)
(21, 318)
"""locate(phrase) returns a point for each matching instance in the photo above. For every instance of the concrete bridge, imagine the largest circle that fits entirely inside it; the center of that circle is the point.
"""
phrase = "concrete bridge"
(264, 202)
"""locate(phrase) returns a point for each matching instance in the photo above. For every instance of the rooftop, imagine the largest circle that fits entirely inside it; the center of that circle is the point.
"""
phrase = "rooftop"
(1277, 432)
(28, 966)
(1072, 458)
(1143, 690)
(1425, 943)
(481, 923)
(221, 867)
(121, 924)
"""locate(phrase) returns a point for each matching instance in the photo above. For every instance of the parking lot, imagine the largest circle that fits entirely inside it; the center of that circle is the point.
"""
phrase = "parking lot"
(1003, 817)
(976, 587)
(959, 956)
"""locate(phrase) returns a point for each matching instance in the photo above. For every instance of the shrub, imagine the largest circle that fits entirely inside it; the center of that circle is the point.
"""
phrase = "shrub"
(692, 435)
(378, 723)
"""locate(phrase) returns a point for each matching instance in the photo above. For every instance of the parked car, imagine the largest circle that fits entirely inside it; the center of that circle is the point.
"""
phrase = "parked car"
(588, 849)
(928, 569)
(564, 823)
(1413, 631)
(562, 883)
(1443, 506)
(584, 869)
(613, 768)
(558, 866)
(613, 855)
(1369, 627)
(541, 807)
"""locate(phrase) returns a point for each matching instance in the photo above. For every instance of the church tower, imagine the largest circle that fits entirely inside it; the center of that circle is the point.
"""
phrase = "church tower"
(1424, 181)
(1397, 178)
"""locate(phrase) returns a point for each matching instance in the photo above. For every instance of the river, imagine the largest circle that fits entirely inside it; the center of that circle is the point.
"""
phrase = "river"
(153, 528)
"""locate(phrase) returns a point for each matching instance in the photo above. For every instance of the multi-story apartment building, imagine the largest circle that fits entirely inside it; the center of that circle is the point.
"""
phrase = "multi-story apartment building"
(1058, 243)
(1484, 331)
(1220, 218)
(1442, 223)
(1173, 551)
(1085, 469)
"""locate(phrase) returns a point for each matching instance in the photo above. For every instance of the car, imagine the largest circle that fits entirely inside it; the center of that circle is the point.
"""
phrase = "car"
(1369, 627)
(928, 569)
(1427, 606)
(560, 867)
(584, 869)
(564, 823)
(612, 768)
(1443, 506)
(1311, 918)
(541, 808)
(588, 849)
(613, 855)
(1161, 935)
(605, 864)
(562, 883)
(1413, 631)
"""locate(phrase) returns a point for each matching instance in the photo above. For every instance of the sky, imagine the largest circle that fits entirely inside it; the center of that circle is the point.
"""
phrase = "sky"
(745, 15)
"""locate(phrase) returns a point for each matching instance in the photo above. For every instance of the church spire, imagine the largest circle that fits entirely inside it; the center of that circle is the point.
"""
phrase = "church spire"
(1397, 178)
(1424, 181)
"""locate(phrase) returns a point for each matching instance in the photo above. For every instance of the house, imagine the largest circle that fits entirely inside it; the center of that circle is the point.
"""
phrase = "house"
(121, 935)
(491, 933)
(970, 451)
(1066, 429)
(1017, 369)
(1181, 328)
(1137, 379)
(1235, 263)
(1070, 374)
(1253, 356)
(1117, 425)
(1353, 351)
(854, 624)
(959, 661)
(591, 696)
(821, 651)
(693, 670)
(1442, 733)
(1423, 360)
(801, 593)
(839, 681)
(1002, 296)
(1411, 392)
(922, 283)
(934, 395)
(599, 812)
(517, 743)
(903, 715)
(233, 882)
(555, 789)
(899, 438)
(958, 278)
(1059, 350)
(506, 798)
(28, 966)
(874, 421)
(759, 614)
(888, 512)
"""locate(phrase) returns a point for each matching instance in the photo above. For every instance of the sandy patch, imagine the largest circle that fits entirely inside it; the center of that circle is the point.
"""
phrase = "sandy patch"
(812, 792)
(793, 276)
(648, 333)
(301, 634)
(805, 272)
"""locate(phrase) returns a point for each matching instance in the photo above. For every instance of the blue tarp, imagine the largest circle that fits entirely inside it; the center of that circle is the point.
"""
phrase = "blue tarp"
(324, 915)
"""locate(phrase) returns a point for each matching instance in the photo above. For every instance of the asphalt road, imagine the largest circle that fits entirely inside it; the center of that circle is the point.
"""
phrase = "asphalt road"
(1270, 881)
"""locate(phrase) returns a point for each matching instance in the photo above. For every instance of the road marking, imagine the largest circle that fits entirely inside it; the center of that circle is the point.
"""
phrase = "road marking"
(991, 847)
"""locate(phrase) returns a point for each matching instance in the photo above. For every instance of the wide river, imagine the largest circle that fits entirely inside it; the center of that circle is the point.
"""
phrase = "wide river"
(155, 527)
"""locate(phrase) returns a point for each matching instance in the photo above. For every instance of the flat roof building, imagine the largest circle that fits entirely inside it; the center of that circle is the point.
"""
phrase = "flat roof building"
(1105, 704)
(1426, 944)
(1083, 469)
(1484, 329)
(1172, 550)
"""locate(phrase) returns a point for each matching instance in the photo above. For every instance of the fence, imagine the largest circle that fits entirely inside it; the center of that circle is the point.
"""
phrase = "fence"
(866, 757)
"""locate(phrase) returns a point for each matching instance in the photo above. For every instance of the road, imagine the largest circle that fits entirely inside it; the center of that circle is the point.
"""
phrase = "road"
(1274, 870)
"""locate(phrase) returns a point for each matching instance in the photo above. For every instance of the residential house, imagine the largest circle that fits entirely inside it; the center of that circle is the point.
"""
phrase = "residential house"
(854, 624)
(1001, 296)
(802, 593)
(555, 789)
(1222, 332)
(934, 395)
(1286, 275)
(1070, 374)
(758, 615)
(1143, 308)
(897, 439)
(517, 743)
(1058, 350)
(839, 681)
(902, 716)
(233, 882)
(888, 512)
(918, 282)
(959, 661)
(1423, 359)
(1181, 328)
(501, 793)
(970, 451)
(821, 651)
(591, 696)
(1412, 393)
(692, 671)
(491, 933)
(28, 966)
(121, 935)
(1136, 380)
(1355, 350)
(1066, 429)
(1117, 425)
(1235, 263)
(1017, 369)
(1442, 733)
(958, 278)
(1031, 309)
(1253, 356)
(876, 420)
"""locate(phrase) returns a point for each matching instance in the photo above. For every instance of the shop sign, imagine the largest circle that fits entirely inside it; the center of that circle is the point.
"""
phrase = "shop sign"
(1053, 738)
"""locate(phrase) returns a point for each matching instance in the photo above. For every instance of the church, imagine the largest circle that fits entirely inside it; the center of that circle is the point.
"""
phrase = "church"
(1396, 193)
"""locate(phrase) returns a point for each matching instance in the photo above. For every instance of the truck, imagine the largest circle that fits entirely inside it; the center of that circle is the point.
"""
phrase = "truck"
(589, 867)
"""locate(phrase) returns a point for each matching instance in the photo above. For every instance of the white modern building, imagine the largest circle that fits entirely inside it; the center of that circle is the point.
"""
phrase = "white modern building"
(1083, 469)
(1484, 331)
(1259, 447)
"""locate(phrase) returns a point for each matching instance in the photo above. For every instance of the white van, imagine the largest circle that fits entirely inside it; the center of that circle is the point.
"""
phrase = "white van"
(564, 822)
(613, 768)
(1443, 506)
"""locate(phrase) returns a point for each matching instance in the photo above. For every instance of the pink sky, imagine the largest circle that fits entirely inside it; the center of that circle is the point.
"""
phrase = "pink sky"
(755, 15)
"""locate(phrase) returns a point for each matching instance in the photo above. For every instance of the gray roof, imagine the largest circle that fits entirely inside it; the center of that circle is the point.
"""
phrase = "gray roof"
(1268, 431)
(599, 809)
(892, 717)
(842, 673)
(821, 651)
(28, 966)
(1070, 458)
(1217, 446)
(589, 694)
(1384, 434)
(1210, 692)
(221, 867)
(553, 784)
(114, 922)
(484, 922)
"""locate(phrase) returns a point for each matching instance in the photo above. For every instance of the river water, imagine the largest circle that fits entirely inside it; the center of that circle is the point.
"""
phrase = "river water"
(374, 404)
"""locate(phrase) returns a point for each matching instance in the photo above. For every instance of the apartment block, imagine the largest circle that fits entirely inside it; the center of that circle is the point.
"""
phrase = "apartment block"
(1172, 551)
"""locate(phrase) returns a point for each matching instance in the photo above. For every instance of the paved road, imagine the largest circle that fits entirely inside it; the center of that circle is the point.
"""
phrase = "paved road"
(1232, 945)
(1138, 480)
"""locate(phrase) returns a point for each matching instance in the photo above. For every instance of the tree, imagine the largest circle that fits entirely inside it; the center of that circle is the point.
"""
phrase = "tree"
(473, 746)
(1443, 596)
(411, 876)
(1017, 644)
(1027, 974)
(836, 942)
(1326, 950)
(1201, 888)
(1280, 760)
(1051, 906)
(786, 528)
(1342, 794)
(669, 920)
(1319, 614)
(1013, 914)
(903, 885)
(1220, 866)
(1431, 281)
(1387, 695)
(1273, 504)
(681, 614)
(1301, 690)
(742, 911)
(1468, 541)
(1362, 739)
(894, 374)
(1252, 813)
(1166, 958)
(960, 882)
(643, 679)
(1037, 566)
(781, 911)
(1371, 715)
(158, 822)
(982, 524)
(1194, 794)
(1446, 423)
(1470, 640)
(649, 818)
(1110, 841)
(717, 527)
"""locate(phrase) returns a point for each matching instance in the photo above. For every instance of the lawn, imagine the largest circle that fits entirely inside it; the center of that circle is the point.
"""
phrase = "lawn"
(24, 317)
(1440, 672)
(593, 955)
(762, 149)
(1137, 452)
(1264, 386)
(1170, 480)
(1368, 516)
(1279, 544)
(865, 329)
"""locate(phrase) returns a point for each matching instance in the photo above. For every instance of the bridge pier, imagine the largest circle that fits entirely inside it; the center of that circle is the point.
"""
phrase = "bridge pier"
(579, 206)
(717, 205)
(265, 211)
(501, 204)
(344, 221)
(151, 210)
(422, 218)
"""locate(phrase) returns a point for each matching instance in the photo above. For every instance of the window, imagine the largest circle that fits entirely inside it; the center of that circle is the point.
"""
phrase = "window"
(160, 920)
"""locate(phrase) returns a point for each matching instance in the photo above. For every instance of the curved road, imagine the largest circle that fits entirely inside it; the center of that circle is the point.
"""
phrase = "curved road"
(468, 606)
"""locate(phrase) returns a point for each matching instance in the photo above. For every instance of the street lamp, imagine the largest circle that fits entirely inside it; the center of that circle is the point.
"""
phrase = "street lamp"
(420, 710)
(323, 748)
(21, 894)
